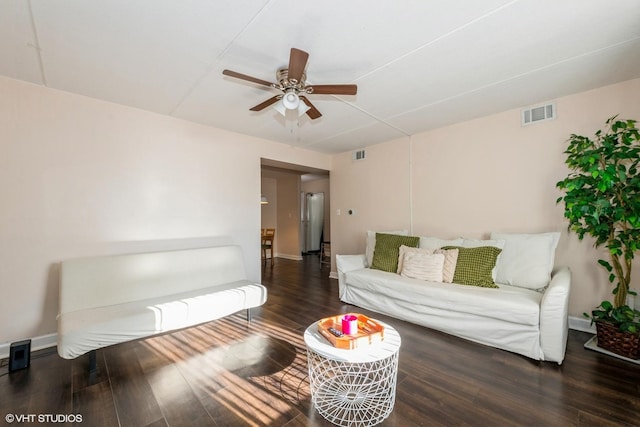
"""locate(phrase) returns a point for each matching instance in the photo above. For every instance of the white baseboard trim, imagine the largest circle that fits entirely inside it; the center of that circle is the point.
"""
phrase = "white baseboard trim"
(581, 324)
(37, 343)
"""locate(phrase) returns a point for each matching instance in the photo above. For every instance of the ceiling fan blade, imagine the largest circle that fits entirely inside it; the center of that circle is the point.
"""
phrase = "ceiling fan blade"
(297, 62)
(334, 89)
(247, 78)
(266, 103)
(312, 112)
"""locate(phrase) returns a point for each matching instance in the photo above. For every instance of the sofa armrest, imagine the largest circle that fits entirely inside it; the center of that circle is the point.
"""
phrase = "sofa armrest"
(554, 316)
(346, 263)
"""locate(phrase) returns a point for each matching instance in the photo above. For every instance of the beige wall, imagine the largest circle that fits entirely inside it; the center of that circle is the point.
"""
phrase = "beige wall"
(377, 188)
(489, 174)
(82, 177)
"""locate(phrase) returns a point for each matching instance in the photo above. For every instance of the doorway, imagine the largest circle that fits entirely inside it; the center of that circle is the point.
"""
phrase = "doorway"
(285, 185)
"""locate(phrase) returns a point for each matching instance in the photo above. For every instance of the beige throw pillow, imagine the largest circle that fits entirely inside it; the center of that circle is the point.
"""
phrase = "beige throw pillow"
(423, 266)
(450, 260)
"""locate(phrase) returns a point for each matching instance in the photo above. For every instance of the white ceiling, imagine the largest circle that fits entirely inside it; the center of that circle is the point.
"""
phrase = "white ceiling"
(418, 64)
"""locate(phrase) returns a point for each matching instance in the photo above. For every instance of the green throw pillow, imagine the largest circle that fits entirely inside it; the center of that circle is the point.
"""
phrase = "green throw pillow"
(475, 265)
(385, 255)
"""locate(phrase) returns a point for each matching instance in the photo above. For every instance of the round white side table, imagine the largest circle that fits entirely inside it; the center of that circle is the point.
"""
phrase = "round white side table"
(353, 387)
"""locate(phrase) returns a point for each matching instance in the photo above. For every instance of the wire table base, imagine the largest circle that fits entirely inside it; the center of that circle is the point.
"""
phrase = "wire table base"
(356, 392)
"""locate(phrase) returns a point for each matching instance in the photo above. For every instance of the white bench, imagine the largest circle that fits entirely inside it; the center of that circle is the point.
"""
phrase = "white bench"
(107, 300)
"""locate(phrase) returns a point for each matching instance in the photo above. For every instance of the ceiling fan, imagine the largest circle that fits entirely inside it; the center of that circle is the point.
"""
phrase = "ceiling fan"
(293, 85)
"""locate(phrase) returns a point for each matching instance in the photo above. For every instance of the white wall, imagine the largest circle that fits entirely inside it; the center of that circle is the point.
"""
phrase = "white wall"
(489, 174)
(82, 177)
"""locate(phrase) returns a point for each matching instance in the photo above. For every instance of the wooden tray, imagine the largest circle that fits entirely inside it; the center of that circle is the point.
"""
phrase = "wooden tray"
(369, 331)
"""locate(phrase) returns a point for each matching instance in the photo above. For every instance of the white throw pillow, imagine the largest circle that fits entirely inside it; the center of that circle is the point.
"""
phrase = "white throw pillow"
(477, 243)
(423, 266)
(436, 243)
(526, 260)
(371, 242)
(450, 260)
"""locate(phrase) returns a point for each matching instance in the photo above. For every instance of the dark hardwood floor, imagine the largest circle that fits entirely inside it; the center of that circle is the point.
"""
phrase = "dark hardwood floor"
(230, 373)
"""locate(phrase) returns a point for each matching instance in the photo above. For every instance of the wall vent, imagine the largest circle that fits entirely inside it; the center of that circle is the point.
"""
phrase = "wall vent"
(538, 113)
(358, 155)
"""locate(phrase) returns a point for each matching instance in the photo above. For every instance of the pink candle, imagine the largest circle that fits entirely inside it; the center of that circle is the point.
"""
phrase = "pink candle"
(350, 324)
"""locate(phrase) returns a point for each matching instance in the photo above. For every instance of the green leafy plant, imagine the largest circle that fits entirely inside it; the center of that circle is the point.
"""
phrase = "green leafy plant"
(627, 319)
(602, 200)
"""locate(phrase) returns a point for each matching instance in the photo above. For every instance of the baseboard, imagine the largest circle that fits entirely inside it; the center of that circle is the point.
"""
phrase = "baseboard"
(333, 275)
(581, 324)
(37, 343)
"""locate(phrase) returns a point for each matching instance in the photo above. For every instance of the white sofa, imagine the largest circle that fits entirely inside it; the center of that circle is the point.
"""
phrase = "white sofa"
(107, 300)
(531, 322)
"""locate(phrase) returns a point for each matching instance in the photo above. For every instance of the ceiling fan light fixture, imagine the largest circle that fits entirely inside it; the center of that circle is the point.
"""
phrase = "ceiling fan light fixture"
(291, 100)
(280, 108)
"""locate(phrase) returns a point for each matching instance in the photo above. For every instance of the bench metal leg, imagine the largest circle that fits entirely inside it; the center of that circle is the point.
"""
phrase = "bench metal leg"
(248, 315)
(93, 366)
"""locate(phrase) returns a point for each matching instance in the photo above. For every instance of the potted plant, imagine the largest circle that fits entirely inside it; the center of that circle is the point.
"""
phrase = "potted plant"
(602, 200)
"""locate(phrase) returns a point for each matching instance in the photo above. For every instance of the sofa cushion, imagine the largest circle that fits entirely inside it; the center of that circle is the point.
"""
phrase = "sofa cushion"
(423, 266)
(371, 242)
(527, 259)
(450, 259)
(506, 303)
(385, 256)
(475, 265)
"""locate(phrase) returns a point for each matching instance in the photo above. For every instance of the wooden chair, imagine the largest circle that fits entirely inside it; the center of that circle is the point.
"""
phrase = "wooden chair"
(325, 253)
(267, 237)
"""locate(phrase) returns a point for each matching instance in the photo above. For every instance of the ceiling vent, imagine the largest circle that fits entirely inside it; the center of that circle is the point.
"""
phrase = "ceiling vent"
(539, 113)
(358, 155)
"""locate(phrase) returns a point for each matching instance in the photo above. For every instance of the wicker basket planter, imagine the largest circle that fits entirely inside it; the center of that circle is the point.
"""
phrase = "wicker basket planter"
(616, 341)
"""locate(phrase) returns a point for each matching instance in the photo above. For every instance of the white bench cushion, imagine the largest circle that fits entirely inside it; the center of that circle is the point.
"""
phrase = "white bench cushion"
(84, 330)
